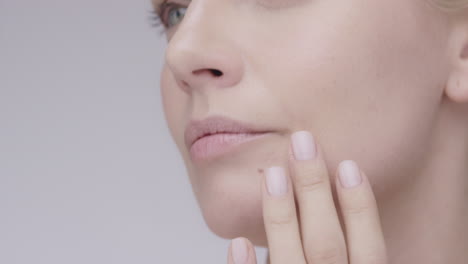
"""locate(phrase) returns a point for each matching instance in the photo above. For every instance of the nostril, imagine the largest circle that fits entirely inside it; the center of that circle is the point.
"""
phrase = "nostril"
(213, 71)
(216, 72)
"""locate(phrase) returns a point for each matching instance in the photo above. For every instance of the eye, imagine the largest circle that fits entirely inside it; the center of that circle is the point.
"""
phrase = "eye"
(171, 14)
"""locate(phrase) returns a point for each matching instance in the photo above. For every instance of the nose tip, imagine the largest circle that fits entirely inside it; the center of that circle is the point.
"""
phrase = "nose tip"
(200, 78)
(198, 61)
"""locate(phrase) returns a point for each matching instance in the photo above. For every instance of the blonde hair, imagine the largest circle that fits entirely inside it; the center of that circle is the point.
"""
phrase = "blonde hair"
(451, 5)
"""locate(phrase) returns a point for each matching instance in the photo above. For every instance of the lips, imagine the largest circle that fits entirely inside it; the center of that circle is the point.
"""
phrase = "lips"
(198, 129)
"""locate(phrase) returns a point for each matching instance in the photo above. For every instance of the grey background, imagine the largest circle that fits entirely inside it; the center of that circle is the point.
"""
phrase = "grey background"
(88, 171)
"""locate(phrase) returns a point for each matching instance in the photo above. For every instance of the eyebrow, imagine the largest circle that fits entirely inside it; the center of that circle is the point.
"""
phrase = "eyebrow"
(157, 2)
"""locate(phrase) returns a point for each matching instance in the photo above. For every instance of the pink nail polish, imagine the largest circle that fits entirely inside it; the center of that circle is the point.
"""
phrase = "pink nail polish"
(239, 251)
(277, 183)
(303, 145)
(349, 174)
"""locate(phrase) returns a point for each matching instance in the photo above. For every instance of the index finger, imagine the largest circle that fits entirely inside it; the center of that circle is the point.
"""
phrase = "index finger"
(280, 217)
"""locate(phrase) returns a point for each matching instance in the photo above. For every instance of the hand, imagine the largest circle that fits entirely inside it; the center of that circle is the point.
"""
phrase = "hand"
(314, 235)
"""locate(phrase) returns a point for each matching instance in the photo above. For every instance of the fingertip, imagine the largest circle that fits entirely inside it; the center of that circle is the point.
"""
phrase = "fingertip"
(349, 174)
(242, 251)
(252, 256)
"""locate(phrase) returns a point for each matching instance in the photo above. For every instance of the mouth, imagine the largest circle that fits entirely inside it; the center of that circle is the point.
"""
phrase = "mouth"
(215, 145)
(219, 135)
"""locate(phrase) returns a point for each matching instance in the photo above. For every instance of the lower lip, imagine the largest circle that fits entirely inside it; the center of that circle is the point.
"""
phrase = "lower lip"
(217, 144)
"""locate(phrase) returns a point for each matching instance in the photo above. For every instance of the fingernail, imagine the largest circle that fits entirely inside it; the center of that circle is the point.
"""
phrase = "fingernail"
(303, 145)
(349, 173)
(239, 251)
(277, 184)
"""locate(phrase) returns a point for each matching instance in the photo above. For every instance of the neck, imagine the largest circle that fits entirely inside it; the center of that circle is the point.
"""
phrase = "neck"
(426, 222)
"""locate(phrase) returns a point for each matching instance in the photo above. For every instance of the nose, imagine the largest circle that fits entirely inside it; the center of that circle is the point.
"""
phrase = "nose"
(202, 53)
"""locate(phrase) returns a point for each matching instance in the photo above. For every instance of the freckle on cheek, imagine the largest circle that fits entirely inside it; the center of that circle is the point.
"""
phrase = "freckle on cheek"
(260, 171)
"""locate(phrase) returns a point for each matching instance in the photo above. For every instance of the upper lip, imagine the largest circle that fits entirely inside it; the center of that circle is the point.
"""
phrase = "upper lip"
(217, 124)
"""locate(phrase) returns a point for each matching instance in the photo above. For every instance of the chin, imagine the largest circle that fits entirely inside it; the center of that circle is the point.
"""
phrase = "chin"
(232, 206)
(229, 191)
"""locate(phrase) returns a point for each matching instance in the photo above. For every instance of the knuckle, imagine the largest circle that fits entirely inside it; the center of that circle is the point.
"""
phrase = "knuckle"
(310, 176)
(281, 219)
(325, 256)
(357, 209)
(280, 222)
(311, 180)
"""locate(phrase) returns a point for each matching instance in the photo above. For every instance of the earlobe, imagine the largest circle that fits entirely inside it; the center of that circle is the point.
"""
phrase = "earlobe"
(457, 86)
(457, 83)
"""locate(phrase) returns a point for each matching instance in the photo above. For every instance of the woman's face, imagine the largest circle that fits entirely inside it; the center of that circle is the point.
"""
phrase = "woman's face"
(365, 77)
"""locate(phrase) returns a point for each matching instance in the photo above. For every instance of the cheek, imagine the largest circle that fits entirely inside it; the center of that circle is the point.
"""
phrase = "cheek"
(366, 87)
(229, 191)
(175, 104)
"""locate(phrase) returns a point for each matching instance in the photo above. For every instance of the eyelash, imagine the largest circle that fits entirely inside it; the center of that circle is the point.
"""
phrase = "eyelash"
(158, 13)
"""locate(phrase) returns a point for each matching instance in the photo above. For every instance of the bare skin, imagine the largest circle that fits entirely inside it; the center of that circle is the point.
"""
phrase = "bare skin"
(382, 83)
(312, 232)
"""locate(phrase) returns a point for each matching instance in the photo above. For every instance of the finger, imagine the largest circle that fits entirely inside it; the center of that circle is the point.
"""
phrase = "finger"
(280, 219)
(322, 235)
(364, 235)
(241, 251)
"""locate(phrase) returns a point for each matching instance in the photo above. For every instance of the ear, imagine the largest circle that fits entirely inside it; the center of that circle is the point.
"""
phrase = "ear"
(457, 84)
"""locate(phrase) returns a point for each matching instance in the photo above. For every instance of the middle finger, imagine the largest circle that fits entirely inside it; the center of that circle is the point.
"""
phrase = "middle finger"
(322, 236)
